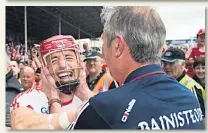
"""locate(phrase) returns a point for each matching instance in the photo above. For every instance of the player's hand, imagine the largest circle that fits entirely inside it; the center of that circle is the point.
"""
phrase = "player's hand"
(48, 84)
(83, 91)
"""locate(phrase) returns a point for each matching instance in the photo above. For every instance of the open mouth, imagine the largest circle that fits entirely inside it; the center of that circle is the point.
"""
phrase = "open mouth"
(66, 76)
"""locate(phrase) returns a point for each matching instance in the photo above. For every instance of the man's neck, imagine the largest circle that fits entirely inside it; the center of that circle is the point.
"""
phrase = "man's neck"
(132, 67)
(26, 88)
(181, 75)
(65, 97)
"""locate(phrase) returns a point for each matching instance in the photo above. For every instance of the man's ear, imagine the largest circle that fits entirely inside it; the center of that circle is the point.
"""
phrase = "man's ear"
(183, 64)
(119, 47)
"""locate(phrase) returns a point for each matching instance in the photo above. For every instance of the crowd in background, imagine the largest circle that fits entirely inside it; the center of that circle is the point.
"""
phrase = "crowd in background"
(195, 66)
(22, 63)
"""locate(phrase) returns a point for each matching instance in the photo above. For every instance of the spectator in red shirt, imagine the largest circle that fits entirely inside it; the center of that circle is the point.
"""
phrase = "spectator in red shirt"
(13, 54)
(194, 53)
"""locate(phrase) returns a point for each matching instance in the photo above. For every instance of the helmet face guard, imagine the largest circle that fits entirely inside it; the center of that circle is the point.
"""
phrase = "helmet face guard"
(66, 78)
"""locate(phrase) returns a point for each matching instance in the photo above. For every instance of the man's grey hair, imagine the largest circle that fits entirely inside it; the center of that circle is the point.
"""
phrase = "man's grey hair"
(141, 27)
(180, 61)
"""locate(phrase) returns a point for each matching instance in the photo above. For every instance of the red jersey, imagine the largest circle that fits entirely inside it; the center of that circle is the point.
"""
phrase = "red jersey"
(194, 54)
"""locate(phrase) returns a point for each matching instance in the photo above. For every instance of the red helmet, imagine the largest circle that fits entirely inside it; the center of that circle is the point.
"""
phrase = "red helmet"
(61, 43)
(56, 43)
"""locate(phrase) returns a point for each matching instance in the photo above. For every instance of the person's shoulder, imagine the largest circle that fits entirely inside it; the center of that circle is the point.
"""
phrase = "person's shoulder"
(38, 88)
(32, 92)
(195, 83)
(110, 95)
(32, 97)
(110, 100)
(106, 105)
(13, 83)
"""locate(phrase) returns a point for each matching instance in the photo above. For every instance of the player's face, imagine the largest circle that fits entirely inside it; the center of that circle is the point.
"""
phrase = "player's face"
(61, 65)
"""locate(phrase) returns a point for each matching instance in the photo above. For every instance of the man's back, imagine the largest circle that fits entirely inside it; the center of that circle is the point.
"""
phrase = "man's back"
(151, 102)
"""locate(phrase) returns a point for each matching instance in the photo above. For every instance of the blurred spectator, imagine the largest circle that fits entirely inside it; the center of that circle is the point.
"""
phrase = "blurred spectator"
(86, 48)
(194, 53)
(13, 54)
(38, 77)
(32, 64)
(98, 80)
(15, 69)
(104, 66)
(18, 55)
(106, 69)
(173, 63)
(199, 70)
(21, 65)
(27, 77)
(13, 88)
(35, 59)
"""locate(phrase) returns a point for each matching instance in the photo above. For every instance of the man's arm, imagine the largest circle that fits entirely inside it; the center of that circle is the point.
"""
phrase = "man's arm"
(25, 118)
(189, 57)
(37, 63)
(54, 107)
(95, 120)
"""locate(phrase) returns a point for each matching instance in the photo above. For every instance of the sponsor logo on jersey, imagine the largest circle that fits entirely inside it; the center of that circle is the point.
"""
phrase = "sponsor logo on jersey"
(44, 110)
(128, 110)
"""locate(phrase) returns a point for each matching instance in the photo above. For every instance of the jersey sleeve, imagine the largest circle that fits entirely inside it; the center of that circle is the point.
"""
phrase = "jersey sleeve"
(88, 118)
(19, 100)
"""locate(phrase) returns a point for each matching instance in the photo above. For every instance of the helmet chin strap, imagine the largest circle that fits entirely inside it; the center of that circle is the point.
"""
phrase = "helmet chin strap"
(67, 87)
